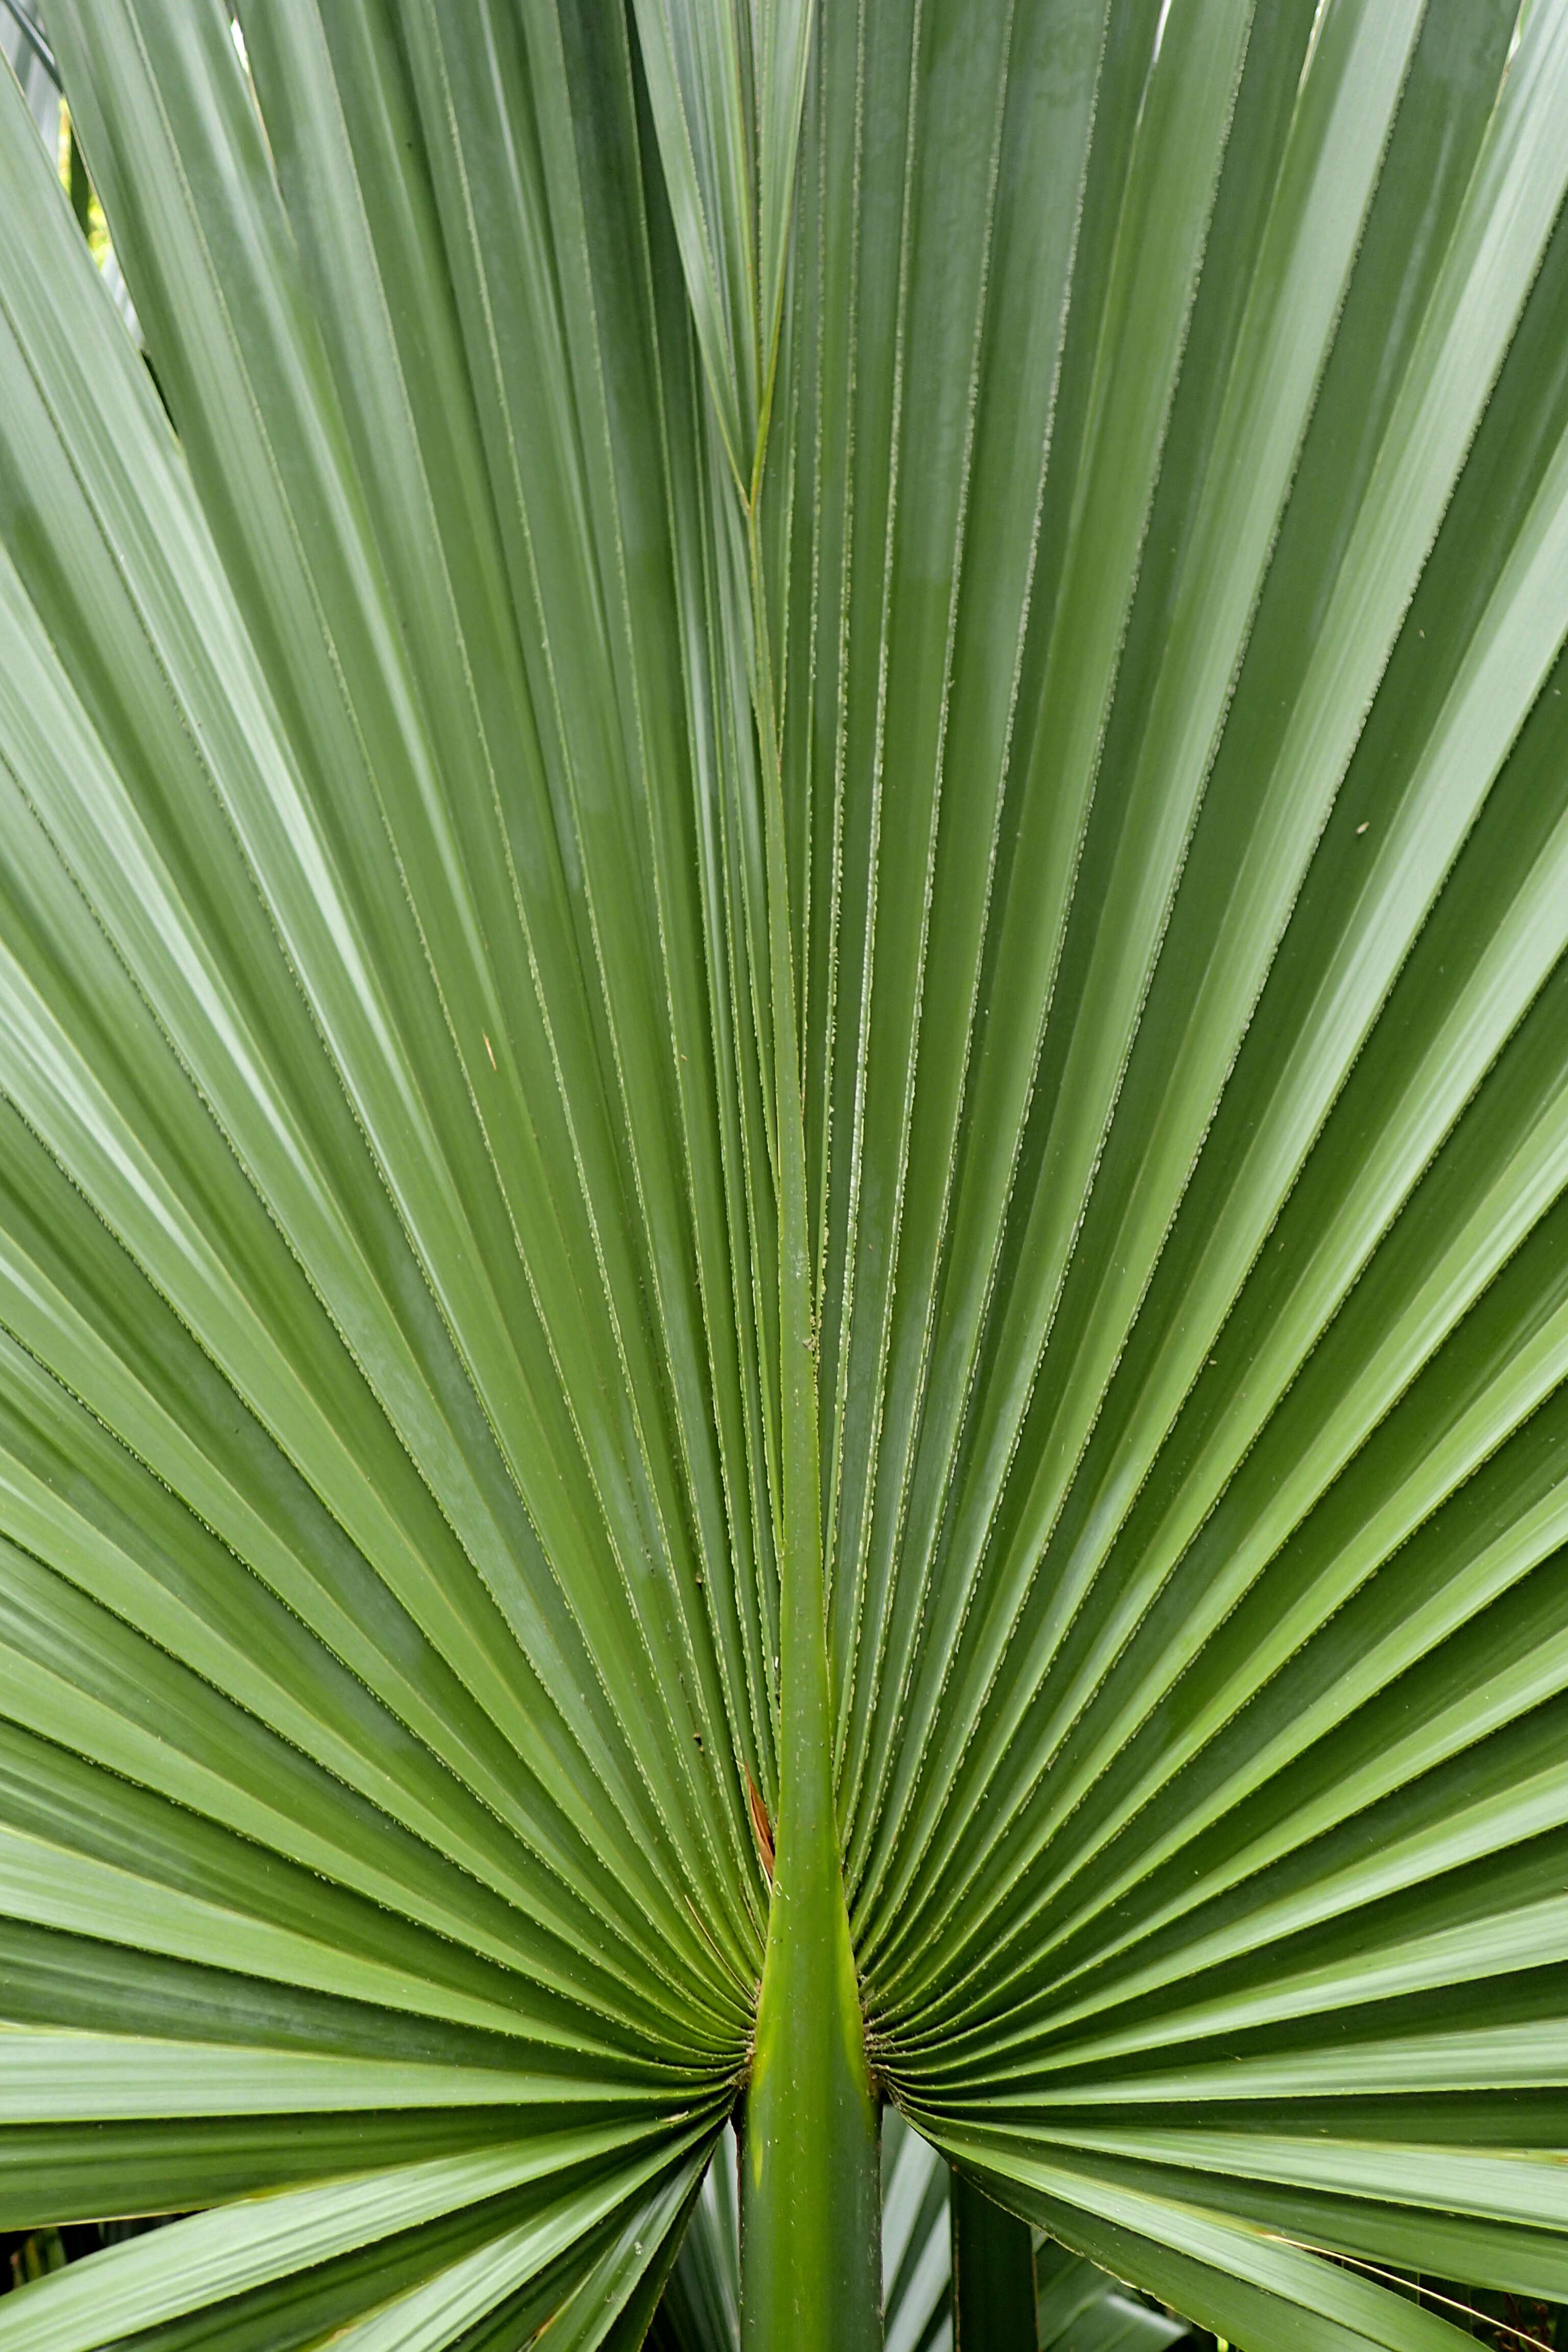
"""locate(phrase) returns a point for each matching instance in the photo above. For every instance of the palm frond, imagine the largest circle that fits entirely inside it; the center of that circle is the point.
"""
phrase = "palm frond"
(821, 779)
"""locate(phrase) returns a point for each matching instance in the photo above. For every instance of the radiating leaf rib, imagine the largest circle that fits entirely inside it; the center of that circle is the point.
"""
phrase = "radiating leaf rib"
(201, 1308)
(1514, 2187)
(700, 68)
(82, 2174)
(499, 329)
(122, 1706)
(1480, 217)
(230, 1631)
(297, 2309)
(868, 429)
(967, 861)
(446, 2305)
(69, 2077)
(42, 1878)
(616, 2301)
(1151, 275)
(1338, 2308)
(690, 1050)
(292, 71)
(1478, 2059)
(235, 2247)
(658, 1515)
(434, 1184)
(1329, 2220)
(1459, 1436)
(947, 559)
(741, 1310)
(1422, 1721)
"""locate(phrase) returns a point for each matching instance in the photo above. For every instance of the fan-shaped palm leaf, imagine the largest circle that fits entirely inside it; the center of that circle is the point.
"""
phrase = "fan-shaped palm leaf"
(782, 1060)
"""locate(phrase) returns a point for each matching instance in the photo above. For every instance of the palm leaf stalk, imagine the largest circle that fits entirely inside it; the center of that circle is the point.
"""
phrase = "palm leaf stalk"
(782, 1135)
(1070, 2307)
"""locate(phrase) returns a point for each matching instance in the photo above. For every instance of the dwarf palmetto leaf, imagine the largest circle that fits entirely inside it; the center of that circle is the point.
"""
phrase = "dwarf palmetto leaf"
(25, 46)
(828, 782)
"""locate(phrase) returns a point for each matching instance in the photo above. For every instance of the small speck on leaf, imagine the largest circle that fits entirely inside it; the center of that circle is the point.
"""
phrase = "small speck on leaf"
(762, 1828)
